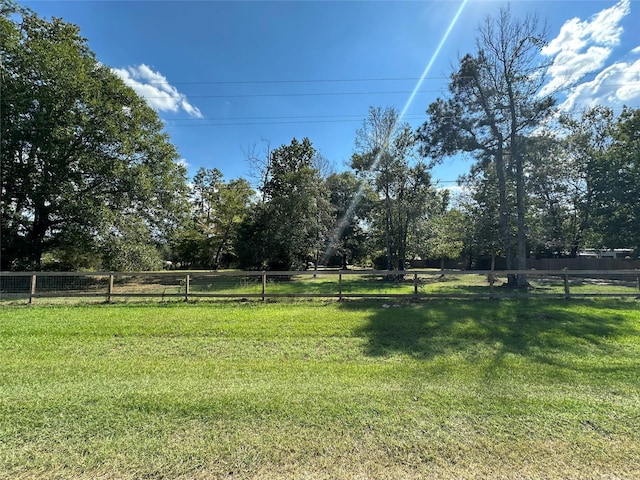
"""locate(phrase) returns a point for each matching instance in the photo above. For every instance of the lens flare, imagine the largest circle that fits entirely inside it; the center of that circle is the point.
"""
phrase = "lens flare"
(342, 224)
(433, 59)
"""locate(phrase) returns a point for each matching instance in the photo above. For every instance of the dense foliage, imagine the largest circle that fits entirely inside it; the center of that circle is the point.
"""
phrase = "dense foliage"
(91, 181)
(88, 176)
(288, 228)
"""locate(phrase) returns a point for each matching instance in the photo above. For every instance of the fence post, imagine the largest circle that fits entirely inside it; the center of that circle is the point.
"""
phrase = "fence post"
(32, 291)
(110, 288)
(186, 287)
(566, 283)
(340, 286)
(638, 281)
(415, 284)
(264, 284)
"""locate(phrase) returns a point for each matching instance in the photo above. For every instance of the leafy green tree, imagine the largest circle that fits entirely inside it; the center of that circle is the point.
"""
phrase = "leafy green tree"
(219, 208)
(288, 228)
(555, 186)
(351, 200)
(385, 159)
(207, 239)
(82, 155)
(449, 231)
(494, 103)
(442, 231)
(481, 211)
(128, 247)
(582, 141)
(613, 179)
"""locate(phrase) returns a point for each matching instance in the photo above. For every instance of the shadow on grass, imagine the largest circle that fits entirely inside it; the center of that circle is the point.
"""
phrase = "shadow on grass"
(533, 328)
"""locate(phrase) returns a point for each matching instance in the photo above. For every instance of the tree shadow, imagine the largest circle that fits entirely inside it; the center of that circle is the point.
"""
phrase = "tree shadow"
(531, 328)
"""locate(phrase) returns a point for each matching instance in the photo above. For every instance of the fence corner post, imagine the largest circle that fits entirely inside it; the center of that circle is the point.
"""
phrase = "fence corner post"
(264, 285)
(32, 290)
(340, 285)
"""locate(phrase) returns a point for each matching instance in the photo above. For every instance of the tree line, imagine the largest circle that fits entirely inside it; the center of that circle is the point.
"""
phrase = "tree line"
(89, 179)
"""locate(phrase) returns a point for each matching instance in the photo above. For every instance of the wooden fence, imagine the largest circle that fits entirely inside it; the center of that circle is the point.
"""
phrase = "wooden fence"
(191, 285)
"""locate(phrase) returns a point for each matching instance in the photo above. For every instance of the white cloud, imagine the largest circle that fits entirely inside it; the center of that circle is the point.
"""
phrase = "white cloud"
(154, 87)
(583, 47)
(614, 86)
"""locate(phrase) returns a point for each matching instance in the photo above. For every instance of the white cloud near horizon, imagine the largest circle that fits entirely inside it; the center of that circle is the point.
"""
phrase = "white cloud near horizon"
(583, 47)
(156, 90)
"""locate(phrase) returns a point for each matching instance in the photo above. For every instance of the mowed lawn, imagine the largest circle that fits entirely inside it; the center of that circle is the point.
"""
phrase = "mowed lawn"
(359, 389)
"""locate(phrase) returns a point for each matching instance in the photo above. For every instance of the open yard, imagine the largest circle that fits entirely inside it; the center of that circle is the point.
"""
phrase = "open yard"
(350, 390)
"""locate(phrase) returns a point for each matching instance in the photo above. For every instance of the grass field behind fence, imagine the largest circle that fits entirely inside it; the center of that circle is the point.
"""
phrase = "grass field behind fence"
(59, 288)
(356, 389)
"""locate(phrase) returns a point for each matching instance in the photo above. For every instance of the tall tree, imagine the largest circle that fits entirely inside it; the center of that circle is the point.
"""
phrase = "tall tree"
(218, 209)
(614, 184)
(289, 227)
(351, 200)
(494, 103)
(582, 142)
(480, 207)
(444, 231)
(385, 159)
(81, 152)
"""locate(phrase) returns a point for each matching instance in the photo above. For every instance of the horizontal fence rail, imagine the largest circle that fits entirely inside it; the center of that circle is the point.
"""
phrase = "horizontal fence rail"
(192, 285)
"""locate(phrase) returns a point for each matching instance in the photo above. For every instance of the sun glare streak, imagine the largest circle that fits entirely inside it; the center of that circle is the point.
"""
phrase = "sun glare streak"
(433, 59)
(335, 238)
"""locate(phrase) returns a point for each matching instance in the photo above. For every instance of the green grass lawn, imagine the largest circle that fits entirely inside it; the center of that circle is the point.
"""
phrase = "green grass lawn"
(356, 389)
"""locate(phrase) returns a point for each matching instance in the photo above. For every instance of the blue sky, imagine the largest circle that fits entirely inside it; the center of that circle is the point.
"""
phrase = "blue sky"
(227, 77)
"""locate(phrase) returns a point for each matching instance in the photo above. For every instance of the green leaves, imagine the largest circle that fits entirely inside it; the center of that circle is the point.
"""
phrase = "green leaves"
(386, 160)
(289, 227)
(218, 209)
(80, 149)
(613, 178)
(495, 103)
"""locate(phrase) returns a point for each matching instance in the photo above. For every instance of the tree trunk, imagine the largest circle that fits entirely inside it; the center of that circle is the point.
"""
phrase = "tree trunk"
(504, 212)
(522, 233)
(520, 207)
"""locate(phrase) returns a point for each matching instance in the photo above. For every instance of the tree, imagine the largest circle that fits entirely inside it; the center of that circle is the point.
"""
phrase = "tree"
(289, 227)
(555, 184)
(480, 208)
(219, 208)
(351, 201)
(443, 230)
(494, 104)
(385, 159)
(613, 179)
(583, 141)
(83, 156)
